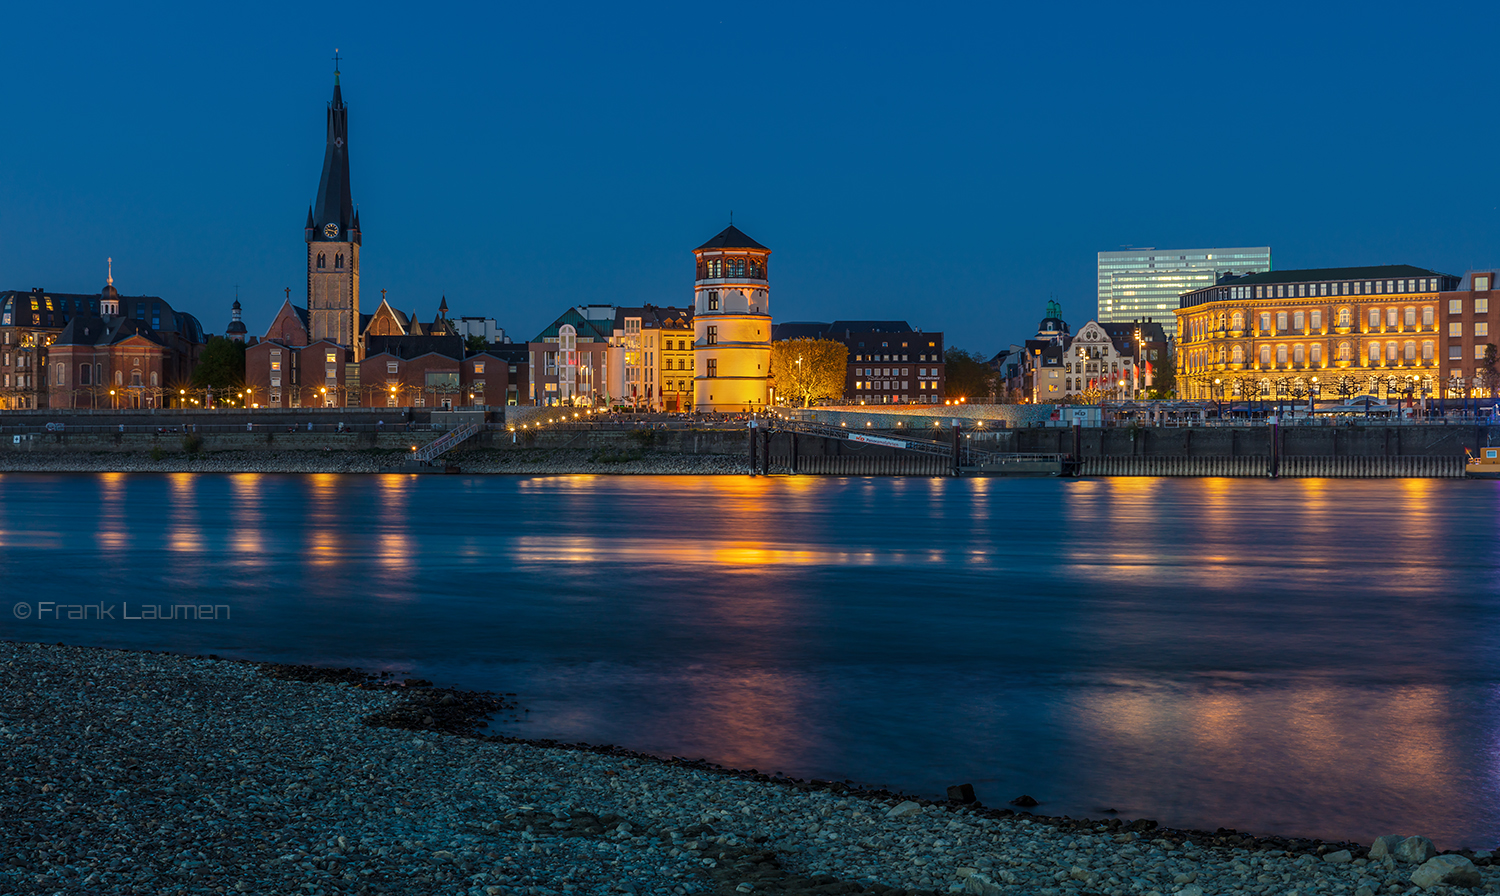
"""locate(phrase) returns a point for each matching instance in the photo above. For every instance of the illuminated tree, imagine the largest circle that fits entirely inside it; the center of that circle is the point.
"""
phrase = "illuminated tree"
(809, 370)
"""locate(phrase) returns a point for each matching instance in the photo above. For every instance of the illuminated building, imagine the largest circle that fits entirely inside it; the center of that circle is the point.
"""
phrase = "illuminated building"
(1144, 284)
(889, 362)
(1331, 332)
(654, 361)
(1470, 333)
(731, 323)
(1117, 360)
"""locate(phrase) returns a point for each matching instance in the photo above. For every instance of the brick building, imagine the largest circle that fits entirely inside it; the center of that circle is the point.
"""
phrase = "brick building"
(1469, 336)
(889, 362)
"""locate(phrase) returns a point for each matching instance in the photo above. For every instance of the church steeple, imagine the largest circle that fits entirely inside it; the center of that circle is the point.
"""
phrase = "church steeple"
(332, 215)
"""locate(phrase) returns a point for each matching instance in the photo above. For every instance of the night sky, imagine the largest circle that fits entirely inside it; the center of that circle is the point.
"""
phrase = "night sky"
(953, 166)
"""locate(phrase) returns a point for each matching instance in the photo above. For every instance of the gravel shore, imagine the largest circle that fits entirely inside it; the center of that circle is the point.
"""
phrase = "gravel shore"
(516, 461)
(150, 773)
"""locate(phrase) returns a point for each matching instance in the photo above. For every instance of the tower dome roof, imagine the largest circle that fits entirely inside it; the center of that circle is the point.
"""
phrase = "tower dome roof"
(732, 237)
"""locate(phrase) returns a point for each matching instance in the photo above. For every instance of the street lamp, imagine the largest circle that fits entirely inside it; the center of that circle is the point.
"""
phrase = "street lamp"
(1218, 396)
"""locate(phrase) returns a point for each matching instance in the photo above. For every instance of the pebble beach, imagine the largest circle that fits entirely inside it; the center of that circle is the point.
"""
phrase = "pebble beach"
(146, 773)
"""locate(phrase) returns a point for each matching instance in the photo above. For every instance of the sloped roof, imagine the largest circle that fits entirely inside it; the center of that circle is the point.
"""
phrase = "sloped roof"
(1376, 272)
(731, 237)
(798, 329)
(408, 347)
(870, 326)
(90, 329)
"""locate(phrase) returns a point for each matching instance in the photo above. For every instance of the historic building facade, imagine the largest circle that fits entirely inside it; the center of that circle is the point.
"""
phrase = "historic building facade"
(731, 324)
(1470, 335)
(112, 351)
(333, 240)
(653, 362)
(1328, 332)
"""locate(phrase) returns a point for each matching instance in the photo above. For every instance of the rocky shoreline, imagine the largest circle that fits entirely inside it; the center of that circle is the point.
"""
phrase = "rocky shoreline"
(153, 773)
(520, 461)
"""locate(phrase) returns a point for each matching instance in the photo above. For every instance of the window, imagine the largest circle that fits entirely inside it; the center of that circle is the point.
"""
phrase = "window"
(712, 337)
(1302, 289)
(1479, 351)
(1265, 321)
(1409, 351)
(338, 261)
(479, 368)
(1374, 353)
(1280, 321)
(713, 367)
(1257, 292)
(331, 357)
(1411, 317)
(83, 374)
(1237, 321)
(1455, 306)
(1316, 353)
(1427, 351)
(1374, 318)
(1317, 320)
(1297, 321)
(1427, 316)
(1481, 328)
(1344, 317)
(1455, 330)
(1280, 354)
(713, 299)
(1390, 352)
(1298, 354)
(322, 261)
(392, 366)
(1280, 291)
(1455, 353)
(1482, 306)
(275, 365)
(1481, 282)
(1237, 355)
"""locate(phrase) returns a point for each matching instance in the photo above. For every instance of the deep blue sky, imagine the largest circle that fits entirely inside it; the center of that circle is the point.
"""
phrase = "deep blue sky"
(951, 165)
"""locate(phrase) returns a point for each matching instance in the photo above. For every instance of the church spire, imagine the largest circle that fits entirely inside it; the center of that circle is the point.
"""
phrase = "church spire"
(332, 216)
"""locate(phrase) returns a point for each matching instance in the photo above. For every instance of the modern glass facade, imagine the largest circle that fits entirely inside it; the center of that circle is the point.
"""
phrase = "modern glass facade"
(1135, 284)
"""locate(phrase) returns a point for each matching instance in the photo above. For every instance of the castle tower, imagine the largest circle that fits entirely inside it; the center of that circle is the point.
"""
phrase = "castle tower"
(236, 329)
(109, 297)
(333, 241)
(732, 324)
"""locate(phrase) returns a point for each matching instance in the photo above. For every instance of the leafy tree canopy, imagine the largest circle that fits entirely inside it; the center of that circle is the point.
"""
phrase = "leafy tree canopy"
(967, 375)
(809, 370)
(221, 365)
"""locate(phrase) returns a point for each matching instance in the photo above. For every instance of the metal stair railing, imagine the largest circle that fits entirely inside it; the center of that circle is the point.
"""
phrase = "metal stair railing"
(447, 441)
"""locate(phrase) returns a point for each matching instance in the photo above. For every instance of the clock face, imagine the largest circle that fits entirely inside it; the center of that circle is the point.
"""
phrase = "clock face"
(330, 230)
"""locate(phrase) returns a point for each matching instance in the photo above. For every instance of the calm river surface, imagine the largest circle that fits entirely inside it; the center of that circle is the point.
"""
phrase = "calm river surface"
(1300, 657)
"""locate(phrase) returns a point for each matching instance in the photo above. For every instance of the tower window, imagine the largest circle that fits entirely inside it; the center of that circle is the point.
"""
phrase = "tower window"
(713, 300)
(713, 336)
(338, 261)
(713, 367)
(322, 261)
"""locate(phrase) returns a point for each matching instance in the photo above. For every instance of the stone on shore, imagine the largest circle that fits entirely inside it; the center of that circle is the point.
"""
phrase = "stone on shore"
(1340, 857)
(1450, 871)
(981, 885)
(1415, 850)
(904, 809)
(1385, 846)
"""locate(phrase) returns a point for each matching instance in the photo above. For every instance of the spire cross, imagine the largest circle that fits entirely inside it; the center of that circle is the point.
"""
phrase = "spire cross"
(335, 60)
(111, 279)
(288, 293)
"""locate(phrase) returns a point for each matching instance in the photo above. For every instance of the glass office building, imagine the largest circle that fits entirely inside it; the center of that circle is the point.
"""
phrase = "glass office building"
(1135, 284)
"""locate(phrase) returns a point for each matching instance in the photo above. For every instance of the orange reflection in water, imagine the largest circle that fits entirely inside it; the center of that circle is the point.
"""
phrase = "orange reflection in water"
(111, 531)
(183, 533)
(323, 523)
(246, 536)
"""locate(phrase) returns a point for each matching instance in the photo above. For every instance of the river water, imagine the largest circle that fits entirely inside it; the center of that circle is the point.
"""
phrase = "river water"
(1301, 657)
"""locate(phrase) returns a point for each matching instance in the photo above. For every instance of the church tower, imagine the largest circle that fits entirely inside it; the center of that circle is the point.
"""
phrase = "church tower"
(333, 241)
(732, 324)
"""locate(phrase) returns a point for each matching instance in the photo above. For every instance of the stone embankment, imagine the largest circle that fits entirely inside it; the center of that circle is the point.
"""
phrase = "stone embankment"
(518, 461)
(147, 773)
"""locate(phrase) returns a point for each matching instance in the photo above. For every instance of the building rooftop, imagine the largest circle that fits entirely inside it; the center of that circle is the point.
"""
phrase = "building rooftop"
(1376, 272)
(731, 237)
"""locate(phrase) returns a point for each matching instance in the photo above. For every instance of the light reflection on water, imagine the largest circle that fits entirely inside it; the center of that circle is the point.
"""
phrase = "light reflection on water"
(1305, 656)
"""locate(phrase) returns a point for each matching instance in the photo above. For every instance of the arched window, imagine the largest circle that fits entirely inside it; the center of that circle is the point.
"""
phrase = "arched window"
(1390, 352)
(715, 267)
(1427, 316)
(1265, 321)
(153, 378)
(1237, 354)
(1299, 354)
(1427, 351)
(1374, 318)
(1281, 321)
(1316, 353)
(322, 261)
(1343, 317)
(338, 261)
(1375, 352)
(1297, 321)
(1344, 351)
(1280, 354)
(119, 377)
(1411, 317)
(1409, 351)
(1068, 383)
(1237, 321)
(1265, 355)
(135, 377)
(83, 374)
(1391, 315)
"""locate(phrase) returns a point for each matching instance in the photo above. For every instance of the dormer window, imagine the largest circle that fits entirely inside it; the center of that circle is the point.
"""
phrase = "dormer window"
(1481, 282)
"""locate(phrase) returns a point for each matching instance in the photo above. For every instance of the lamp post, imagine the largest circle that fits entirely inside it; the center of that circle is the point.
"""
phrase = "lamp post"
(1312, 397)
(1218, 394)
(113, 405)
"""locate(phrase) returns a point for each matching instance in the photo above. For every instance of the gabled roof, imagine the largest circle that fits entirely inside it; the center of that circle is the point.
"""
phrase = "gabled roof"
(731, 237)
(652, 316)
(595, 329)
(91, 329)
(870, 326)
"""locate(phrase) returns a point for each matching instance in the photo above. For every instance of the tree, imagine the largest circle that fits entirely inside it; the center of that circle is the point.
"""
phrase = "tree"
(967, 375)
(1490, 377)
(474, 342)
(1163, 376)
(221, 365)
(809, 370)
